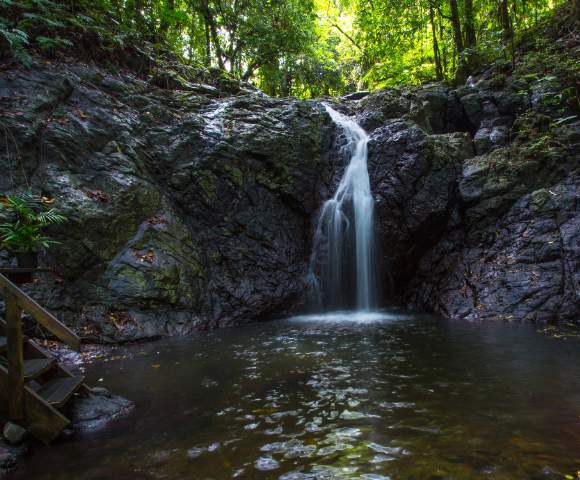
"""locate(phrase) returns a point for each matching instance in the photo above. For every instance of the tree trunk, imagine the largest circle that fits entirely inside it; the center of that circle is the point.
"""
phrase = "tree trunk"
(252, 67)
(436, 54)
(232, 52)
(170, 7)
(138, 12)
(210, 22)
(504, 20)
(470, 38)
(207, 45)
(286, 85)
(444, 59)
(191, 37)
(455, 21)
(576, 10)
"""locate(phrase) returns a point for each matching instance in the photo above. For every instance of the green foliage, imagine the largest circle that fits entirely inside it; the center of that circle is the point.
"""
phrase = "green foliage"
(46, 43)
(286, 47)
(554, 63)
(403, 39)
(17, 41)
(27, 216)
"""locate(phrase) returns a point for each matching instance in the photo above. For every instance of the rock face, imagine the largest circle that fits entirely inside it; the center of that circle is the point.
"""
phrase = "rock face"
(191, 208)
(477, 199)
(414, 176)
(186, 210)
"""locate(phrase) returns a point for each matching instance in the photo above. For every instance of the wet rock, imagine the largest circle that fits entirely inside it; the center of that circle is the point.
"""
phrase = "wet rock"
(480, 227)
(433, 113)
(97, 408)
(524, 267)
(187, 212)
(375, 109)
(266, 464)
(472, 106)
(490, 136)
(543, 95)
(414, 177)
(194, 210)
(355, 96)
(13, 433)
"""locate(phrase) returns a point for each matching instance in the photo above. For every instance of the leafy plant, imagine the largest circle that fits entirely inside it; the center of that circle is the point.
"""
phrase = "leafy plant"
(17, 41)
(46, 43)
(28, 215)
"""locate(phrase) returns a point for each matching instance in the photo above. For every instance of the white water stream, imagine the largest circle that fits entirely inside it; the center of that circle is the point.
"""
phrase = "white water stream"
(342, 258)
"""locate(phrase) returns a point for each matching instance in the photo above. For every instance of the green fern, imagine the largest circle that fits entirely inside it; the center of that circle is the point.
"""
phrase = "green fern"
(29, 215)
(18, 41)
(45, 20)
(46, 43)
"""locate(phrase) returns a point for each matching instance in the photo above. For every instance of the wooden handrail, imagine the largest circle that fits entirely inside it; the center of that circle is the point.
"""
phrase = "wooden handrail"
(15, 354)
(17, 302)
(41, 315)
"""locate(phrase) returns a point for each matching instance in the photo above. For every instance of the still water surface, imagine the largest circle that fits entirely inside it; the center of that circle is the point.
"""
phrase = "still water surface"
(382, 396)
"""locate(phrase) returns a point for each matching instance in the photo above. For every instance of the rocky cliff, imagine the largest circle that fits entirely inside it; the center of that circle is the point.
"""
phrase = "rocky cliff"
(477, 195)
(187, 210)
(192, 207)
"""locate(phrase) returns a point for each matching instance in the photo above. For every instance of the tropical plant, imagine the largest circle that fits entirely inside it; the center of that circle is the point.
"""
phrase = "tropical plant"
(26, 216)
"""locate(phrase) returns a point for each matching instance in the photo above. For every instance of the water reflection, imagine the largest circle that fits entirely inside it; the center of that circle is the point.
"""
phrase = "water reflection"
(340, 396)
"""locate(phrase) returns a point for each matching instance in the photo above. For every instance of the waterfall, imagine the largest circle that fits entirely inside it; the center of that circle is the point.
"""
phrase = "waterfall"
(342, 257)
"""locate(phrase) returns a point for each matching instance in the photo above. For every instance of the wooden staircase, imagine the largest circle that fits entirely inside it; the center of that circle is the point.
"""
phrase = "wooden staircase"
(34, 385)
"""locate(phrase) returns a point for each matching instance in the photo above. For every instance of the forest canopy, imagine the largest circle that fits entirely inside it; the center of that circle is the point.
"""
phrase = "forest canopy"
(305, 48)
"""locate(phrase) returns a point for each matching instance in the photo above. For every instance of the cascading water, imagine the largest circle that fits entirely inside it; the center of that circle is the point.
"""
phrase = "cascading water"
(342, 258)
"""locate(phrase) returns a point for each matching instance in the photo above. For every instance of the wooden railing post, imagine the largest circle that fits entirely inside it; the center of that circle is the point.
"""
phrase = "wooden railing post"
(41, 315)
(15, 349)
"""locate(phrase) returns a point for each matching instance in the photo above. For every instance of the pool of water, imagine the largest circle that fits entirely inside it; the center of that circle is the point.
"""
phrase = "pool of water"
(387, 395)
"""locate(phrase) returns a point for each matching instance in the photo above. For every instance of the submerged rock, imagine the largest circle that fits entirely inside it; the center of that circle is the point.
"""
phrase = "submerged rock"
(266, 464)
(13, 433)
(97, 408)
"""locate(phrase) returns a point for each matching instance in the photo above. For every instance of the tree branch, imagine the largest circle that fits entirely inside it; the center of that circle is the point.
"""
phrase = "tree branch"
(346, 35)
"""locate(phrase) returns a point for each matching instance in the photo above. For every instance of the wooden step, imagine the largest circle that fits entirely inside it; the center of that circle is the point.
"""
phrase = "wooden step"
(58, 391)
(37, 366)
(42, 420)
